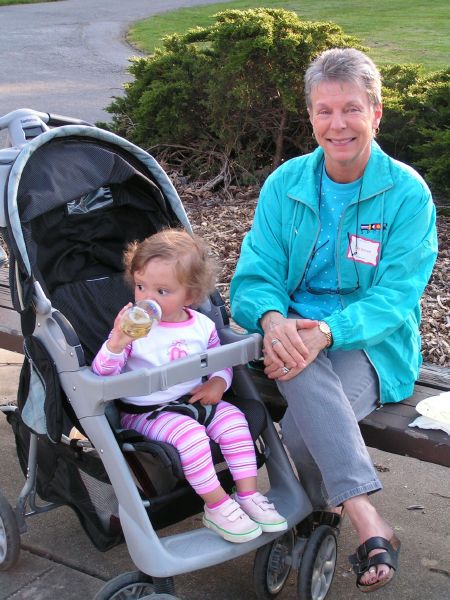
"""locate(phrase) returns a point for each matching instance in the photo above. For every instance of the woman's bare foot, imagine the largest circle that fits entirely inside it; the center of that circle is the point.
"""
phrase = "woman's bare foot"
(368, 523)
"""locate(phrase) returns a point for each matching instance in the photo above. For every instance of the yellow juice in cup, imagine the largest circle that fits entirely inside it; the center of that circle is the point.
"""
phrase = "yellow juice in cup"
(140, 318)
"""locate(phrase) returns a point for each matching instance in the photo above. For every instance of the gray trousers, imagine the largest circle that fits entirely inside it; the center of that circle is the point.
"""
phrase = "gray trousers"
(320, 427)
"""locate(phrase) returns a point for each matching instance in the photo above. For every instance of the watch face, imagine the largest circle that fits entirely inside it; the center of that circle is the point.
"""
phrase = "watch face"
(324, 327)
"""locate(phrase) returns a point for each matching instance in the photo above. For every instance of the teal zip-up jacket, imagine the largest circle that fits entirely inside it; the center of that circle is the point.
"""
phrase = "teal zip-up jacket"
(397, 248)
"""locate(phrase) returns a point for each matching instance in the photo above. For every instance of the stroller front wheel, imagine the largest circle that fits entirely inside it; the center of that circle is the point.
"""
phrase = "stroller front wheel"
(134, 585)
(272, 566)
(318, 564)
(9, 536)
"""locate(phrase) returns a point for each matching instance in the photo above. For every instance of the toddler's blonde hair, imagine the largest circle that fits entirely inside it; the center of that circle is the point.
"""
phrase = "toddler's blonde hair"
(194, 266)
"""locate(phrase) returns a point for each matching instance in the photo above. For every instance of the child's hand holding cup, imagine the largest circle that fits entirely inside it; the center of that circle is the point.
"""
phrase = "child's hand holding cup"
(137, 320)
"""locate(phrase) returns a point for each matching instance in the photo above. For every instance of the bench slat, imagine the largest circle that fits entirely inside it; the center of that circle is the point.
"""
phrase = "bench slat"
(10, 332)
(435, 376)
(389, 431)
(408, 407)
(5, 296)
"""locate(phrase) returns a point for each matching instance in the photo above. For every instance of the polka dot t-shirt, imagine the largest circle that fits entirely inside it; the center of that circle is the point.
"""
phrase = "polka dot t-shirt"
(321, 273)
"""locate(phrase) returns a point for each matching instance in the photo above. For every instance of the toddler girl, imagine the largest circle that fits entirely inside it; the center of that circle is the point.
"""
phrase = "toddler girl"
(174, 269)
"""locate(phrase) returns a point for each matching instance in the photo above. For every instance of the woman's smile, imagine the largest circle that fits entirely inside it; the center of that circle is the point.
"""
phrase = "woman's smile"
(342, 142)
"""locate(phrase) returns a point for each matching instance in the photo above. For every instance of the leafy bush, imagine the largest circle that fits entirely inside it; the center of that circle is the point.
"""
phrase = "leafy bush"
(227, 102)
(230, 94)
(415, 124)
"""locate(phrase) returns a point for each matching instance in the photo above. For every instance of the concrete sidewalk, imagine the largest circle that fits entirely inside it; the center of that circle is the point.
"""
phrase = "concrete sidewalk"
(58, 561)
(70, 57)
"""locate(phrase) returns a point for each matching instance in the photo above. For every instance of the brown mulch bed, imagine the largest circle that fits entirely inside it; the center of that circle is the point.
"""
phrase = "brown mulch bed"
(223, 219)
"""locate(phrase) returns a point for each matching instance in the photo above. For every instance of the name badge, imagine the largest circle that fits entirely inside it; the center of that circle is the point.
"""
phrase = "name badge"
(363, 250)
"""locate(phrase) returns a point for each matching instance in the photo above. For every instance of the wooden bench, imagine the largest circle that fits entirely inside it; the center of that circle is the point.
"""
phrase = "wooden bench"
(10, 333)
(386, 429)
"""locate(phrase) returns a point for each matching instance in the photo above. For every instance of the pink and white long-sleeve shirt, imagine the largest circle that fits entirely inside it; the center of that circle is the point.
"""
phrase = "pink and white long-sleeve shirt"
(164, 343)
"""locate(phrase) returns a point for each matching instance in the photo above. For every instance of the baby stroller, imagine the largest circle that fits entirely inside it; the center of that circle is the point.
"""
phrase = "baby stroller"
(74, 196)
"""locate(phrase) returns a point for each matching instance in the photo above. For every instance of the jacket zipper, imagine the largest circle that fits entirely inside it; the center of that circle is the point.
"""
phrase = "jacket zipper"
(294, 228)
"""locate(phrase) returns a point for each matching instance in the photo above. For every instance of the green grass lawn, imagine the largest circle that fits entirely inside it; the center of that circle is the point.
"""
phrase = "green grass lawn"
(397, 31)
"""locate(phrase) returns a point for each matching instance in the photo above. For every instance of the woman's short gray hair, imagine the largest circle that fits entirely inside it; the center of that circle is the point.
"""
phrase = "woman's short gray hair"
(344, 64)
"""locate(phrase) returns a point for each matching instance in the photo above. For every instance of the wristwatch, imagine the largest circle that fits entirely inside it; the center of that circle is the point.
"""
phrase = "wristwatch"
(325, 329)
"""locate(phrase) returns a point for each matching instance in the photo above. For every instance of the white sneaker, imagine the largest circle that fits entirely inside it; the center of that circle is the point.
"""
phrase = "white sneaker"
(261, 511)
(231, 523)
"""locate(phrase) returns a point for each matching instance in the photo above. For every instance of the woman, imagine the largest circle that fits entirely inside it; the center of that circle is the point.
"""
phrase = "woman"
(342, 245)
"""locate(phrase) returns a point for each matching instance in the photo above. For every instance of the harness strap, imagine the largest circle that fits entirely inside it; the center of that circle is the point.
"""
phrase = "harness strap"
(197, 411)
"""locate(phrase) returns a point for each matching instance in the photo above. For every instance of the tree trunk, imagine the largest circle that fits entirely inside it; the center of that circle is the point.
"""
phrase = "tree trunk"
(279, 142)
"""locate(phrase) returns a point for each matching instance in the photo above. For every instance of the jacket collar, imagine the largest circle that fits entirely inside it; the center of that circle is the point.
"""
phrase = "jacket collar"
(377, 177)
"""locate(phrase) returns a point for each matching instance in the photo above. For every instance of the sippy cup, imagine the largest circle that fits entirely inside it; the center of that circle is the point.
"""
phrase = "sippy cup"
(140, 318)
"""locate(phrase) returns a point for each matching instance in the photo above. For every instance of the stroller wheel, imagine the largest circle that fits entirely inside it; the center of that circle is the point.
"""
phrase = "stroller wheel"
(134, 585)
(9, 536)
(272, 566)
(318, 564)
(159, 597)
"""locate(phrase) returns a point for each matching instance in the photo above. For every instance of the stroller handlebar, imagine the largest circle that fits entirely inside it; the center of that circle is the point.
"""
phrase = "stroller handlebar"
(25, 124)
(55, 120)
(89, 392)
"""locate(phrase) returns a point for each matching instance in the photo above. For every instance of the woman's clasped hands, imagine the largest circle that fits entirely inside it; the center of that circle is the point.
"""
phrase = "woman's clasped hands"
(290, 345)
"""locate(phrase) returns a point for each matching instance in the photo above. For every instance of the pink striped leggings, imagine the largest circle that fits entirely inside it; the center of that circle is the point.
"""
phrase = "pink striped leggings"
(229, 428)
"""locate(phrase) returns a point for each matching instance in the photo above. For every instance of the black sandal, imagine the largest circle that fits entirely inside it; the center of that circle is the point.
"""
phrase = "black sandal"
(361, 562)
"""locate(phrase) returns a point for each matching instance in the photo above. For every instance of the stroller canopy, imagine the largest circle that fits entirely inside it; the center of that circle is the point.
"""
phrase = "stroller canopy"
(76, 196)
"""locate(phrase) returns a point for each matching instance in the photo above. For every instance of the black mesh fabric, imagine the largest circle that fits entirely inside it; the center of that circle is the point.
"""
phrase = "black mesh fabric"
(91, 307)
(65, 476)
(67, 168)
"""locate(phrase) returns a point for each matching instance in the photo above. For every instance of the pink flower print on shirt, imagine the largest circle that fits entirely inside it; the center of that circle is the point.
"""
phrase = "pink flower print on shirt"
(178, 350)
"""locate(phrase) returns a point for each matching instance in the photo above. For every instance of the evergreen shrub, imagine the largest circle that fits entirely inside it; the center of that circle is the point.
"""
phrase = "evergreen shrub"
(231, 92)
(415, 123)
(226, 102)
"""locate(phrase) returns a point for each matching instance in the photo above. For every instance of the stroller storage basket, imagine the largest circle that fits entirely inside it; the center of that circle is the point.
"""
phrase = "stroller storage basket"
(69, 476)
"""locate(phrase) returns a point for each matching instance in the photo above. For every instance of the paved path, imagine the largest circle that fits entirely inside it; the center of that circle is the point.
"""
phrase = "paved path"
(69, 57)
